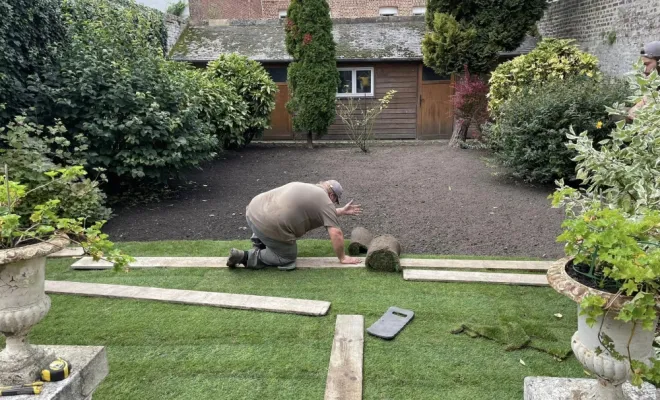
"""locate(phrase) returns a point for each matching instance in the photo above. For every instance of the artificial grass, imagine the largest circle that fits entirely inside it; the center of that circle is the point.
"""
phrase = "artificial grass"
(168, 351)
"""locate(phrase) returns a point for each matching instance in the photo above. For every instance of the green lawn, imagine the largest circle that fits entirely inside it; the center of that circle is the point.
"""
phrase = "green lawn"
(165, 351)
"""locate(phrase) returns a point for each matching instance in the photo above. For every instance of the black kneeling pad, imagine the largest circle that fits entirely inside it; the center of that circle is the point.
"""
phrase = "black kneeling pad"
(391, 323)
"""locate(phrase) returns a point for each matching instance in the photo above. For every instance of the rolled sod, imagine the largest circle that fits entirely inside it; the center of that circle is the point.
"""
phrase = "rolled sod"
(383, 254)
(360, 240)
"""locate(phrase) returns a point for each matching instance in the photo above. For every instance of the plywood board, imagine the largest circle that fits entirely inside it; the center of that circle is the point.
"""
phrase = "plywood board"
(192, 297)
(481, 277)
(345, 370)
(476, 264)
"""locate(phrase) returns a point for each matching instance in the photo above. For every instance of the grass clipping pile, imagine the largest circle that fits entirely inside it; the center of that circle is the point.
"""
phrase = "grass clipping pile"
(383, 254)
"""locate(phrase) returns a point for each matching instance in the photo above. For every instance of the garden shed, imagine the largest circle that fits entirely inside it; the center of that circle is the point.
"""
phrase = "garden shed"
(374, 55)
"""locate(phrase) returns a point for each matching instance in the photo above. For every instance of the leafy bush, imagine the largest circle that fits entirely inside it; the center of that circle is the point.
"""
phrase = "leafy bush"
(29, 152)
(177, 8)
(221, 106)
(252, 82)
(533, 126)
(30, 32)
(552, 59)
(114, 85)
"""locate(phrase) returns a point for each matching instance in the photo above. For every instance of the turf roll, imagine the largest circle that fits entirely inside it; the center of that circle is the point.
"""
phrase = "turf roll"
(360, 240)
(383, 254)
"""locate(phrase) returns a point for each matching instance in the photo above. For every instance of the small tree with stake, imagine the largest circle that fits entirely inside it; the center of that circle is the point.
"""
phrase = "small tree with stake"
(471, 105)
(313, 75)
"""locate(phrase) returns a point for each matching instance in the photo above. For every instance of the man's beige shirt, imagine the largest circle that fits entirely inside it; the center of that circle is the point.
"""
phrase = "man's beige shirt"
(288, 212)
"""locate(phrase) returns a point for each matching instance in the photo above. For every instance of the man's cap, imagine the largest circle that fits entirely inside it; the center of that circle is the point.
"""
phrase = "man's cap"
(336, 188)
(651, 50)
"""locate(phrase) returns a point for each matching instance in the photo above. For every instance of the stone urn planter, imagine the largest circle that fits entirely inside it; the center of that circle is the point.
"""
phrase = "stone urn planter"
(23, 303)
(586, 344)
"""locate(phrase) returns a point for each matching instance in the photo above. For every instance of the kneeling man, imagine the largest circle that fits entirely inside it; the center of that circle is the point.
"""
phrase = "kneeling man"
(282, 215)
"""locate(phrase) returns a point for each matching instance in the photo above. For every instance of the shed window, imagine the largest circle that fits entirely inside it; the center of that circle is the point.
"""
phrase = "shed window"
(277, 74)
(355, 82)
(389, 11)
(419, 10)
(282, 14)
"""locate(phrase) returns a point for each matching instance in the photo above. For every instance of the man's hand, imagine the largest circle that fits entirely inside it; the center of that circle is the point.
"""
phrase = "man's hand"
(350, 260)
(350, 209)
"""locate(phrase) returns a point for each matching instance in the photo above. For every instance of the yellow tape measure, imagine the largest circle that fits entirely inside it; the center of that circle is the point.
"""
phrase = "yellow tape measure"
(58, 370)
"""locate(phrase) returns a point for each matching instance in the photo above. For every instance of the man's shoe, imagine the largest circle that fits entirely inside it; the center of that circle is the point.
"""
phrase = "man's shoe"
(236, 257)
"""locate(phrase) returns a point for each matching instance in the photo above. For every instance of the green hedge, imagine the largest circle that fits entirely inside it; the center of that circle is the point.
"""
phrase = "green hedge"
(531, 132)
(30, 35)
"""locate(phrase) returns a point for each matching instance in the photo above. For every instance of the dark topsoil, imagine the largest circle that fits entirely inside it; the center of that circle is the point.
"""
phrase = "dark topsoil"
(432, 198)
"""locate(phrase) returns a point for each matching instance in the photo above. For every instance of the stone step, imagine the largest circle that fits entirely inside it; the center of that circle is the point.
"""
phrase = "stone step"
(87, 263)
(193, 297)
(481, 277)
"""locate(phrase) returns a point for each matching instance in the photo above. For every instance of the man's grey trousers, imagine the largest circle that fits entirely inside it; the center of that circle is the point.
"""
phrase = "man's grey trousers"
(276, 254)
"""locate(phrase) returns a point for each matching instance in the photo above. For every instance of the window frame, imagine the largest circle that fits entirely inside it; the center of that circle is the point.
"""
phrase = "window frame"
(354, 92)
(382, 11)
(418, 9)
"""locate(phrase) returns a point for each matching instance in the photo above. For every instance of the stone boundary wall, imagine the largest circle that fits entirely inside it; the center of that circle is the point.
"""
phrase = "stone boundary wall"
(612, 30)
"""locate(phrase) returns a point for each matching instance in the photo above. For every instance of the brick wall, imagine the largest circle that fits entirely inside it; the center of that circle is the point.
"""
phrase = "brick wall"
(204, 10)
(348, 8)
(591, 22)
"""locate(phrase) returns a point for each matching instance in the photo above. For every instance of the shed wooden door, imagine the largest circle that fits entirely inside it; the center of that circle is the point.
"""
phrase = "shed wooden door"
(280, 119)
(436, 114)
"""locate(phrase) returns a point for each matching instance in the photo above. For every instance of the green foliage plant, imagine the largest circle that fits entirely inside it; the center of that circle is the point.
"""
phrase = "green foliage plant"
(30, 151)
(447, 45)
(114, 85)
(312, 76)
(251, 81)
(533, 126)
(359, 114)
(31, 33)
(473, 32)
(613, 226)
(44, 223)
(552, 59)
(177, 8)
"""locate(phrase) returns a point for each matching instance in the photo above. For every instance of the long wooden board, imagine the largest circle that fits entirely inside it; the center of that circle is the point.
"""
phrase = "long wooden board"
(476, 277)
(192, 297)
(345, 370)
(318, 262)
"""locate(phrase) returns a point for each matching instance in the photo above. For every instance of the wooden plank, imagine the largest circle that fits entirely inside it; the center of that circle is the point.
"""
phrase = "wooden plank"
(475, 277)
(192, 297)
(87, 263)
(345, 370)
(540, 266)
(68, 252)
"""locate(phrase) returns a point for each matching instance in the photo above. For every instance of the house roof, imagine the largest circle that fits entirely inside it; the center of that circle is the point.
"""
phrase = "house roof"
(362, 39)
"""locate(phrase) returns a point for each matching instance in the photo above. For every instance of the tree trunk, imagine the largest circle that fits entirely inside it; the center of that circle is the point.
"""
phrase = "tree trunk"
(383, 254)
(360, 240)
(310, 143)
(460, 135)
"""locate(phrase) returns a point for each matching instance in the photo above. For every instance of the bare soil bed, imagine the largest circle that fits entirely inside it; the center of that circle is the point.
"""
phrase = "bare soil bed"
(432, 198)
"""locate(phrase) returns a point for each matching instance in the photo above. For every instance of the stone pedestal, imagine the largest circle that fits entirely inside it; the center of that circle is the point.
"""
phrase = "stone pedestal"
(546, 388)
(89, 366)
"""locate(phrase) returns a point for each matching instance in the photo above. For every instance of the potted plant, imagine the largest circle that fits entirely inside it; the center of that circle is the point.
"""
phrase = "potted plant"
(612, 235)
(24, 245)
